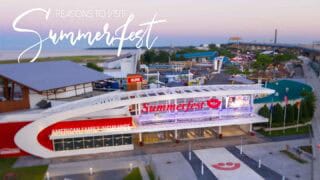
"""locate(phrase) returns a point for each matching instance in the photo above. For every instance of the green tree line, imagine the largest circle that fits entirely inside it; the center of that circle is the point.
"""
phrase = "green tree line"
(152, 56)
(307, 108)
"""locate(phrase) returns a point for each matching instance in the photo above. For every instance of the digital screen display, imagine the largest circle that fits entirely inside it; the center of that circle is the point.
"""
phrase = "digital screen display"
(238, 101)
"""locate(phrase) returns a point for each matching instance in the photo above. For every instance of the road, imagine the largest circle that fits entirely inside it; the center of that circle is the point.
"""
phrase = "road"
(314, 81)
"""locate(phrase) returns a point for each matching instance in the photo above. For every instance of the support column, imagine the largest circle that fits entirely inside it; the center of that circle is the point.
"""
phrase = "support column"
(136, 109)
(220, 108)
(175, 105)
(140, 139)
(251, 131)
(139, 109)
(6, 89)
(220, 132)
(251, 104)
(176, 136)
(12, 91)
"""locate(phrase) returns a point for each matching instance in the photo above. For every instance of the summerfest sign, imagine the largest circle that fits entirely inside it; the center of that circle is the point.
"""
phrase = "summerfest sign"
(141, 36)
(211, 103)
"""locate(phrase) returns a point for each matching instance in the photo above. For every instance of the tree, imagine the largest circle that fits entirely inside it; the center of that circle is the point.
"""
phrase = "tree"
(277, 113)
(310, 99)
(305, 113)
(148, 56)
(290, 114)
(279, 58)
(94, 67)
(262, 62)
(264, 111)
(152, 56)
(233, 70)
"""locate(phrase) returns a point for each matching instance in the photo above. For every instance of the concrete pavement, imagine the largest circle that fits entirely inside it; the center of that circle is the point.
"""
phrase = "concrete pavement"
(314, 81)
(172, 166)
(270, 156)
(225, 165)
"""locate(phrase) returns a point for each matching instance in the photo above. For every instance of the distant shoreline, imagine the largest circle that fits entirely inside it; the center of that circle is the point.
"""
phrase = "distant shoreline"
(12, 55)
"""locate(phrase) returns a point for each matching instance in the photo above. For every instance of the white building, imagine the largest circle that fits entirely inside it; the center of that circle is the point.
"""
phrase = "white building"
(120, 67)
(160, 114)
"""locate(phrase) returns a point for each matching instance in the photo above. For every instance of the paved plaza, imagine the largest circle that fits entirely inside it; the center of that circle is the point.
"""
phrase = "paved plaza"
(224, 162)
(224, 165)
(270, 156)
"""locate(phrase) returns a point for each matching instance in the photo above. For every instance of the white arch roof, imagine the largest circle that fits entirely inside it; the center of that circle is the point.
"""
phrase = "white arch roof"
(114, 100)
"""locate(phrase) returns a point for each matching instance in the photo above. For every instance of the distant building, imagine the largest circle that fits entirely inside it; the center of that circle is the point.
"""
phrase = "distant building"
(178, 77)
(24, 85)
(203, 47)
(199, 56)
(120, 67)
(161, 67)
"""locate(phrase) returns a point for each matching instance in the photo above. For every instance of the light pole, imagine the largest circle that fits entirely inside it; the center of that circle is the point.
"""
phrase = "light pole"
(202, 168)
(285, 110)
(189, 150)
(271, 109)
(47, 175)
(241, 145)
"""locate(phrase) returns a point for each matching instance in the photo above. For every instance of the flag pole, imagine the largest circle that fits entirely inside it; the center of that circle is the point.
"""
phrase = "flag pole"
(298, 104)
(284, 118)
(271, 107)
(285, 109)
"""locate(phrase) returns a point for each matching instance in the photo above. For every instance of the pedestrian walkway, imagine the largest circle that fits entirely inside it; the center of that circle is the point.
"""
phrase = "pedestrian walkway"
(263, 171)
(314, 81)
(99, 165)
(144, 172)
(172, 166)
(224, 165)
(195, 163)
(271, 157)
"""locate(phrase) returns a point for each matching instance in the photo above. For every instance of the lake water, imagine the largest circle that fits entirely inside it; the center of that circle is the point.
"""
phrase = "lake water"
(13, 54)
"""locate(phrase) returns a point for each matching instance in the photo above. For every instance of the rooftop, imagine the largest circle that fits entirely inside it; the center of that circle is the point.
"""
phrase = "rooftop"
(41, 76)
(211, 54)
(294, 91)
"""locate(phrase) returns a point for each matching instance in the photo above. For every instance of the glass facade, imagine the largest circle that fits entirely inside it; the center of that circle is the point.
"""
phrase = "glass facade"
(195, 110)
(91, 142)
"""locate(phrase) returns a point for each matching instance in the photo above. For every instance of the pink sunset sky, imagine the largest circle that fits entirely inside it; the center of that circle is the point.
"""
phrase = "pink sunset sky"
(189, 22)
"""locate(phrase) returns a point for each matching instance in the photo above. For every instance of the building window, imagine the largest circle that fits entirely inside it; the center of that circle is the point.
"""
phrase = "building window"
(78, 143)
(127, 139)
(118, 140)
(92, 142)
(108, 140)
(98, 141)
(88, 142)
(68, 144)
(58, 144)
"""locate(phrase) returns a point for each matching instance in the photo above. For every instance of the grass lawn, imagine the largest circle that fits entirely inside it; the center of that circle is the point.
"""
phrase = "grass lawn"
(293, 156)
(307, 149)
(32, 173)
(134, 175)
(291, 131)
(150, 172)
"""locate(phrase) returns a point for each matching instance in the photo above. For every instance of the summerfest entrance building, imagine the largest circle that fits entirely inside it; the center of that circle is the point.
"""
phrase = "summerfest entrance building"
(153, 115)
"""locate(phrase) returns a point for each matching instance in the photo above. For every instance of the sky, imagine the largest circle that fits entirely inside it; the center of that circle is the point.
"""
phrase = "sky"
(188, 22)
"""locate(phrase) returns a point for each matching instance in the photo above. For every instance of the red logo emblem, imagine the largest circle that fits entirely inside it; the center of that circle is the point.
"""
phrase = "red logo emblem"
(229, 166)
(213, 103)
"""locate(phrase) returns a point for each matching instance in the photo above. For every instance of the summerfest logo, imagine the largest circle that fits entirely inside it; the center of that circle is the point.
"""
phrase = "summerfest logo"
(142, 36)
(211, 103)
